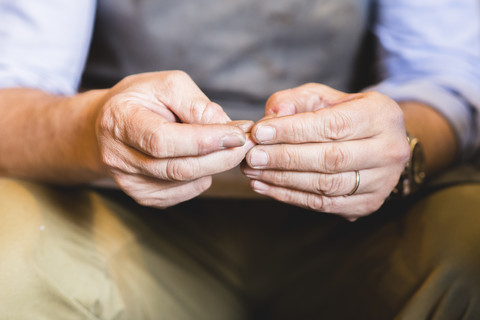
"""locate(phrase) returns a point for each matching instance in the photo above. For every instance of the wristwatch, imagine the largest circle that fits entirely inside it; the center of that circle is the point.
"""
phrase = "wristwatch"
(413, 176)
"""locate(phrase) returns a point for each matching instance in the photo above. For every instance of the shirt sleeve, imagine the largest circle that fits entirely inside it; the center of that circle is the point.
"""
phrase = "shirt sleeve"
(44, 44)
(430, 52)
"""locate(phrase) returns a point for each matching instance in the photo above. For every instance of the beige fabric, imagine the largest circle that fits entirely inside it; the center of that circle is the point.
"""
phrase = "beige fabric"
(79, 253)
(75, 255)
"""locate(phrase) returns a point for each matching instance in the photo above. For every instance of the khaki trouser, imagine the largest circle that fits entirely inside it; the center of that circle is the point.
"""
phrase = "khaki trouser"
(79, 253)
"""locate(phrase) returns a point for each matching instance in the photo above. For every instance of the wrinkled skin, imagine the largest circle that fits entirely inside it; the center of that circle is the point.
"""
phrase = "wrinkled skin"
(312, 140)
(162, 139)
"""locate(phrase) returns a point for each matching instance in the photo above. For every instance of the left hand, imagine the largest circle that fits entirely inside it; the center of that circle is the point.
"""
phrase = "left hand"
(314, 138)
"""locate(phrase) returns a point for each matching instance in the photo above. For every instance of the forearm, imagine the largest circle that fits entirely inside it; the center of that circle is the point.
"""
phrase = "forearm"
(435, 133)
(47, 137)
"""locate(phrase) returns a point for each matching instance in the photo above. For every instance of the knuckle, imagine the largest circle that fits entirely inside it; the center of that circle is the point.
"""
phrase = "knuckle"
(335, 158)
(177, 75)
(315, 202)
(387, 105)
(207, 111)
(174, 80)
(113, 162)
(300, 130)
(109, 159)
(180, 170)
(379, 99)
(108, 120)
(333, 205)
(117, 117)
(154, 143)
(126, 82)
(328, 184)
(337, 125)
(288, 158)
(280, 178)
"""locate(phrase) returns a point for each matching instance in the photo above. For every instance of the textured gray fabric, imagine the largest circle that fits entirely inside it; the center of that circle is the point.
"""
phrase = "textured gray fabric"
(239, 52)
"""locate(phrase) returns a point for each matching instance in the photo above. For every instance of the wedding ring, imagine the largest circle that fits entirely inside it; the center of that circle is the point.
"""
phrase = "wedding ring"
(357, 183)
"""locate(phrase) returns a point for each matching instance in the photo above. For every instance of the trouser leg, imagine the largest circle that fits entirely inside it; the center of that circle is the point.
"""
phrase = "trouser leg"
(76, 254)
(72, 254)
(50, 267)
(417, 260)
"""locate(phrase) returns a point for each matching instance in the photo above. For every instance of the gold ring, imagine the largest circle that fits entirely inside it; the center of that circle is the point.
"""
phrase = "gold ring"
(357, 183)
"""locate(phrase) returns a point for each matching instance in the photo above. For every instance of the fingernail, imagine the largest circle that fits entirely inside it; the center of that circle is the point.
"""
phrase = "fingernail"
(258, 159)
(264, 133)
(251, 173)
(259, 186)
(232, 141)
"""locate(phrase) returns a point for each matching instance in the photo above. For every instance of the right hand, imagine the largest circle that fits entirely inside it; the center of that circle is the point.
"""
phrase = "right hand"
(161, 138)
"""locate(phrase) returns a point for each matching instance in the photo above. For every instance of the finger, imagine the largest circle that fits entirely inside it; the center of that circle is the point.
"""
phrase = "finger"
(349, 207)
(152, 192)
(306, 98)
(362, 117)
(187, 101)
(152, 135)
(323, 184)
(178, 169)
(139, 100)
(245, 125)
(181, 193)
(191, 168)
(327, 157)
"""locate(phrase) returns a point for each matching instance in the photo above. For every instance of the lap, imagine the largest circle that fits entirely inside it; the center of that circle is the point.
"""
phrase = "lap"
(75, 253)
(88, 254)
(413, 260)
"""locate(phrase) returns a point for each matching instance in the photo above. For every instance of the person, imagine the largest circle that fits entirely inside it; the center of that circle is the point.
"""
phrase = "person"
(77, 109)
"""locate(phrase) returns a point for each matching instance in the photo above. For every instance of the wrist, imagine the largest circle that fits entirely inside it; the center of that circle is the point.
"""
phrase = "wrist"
(88, 151)
(435, 134)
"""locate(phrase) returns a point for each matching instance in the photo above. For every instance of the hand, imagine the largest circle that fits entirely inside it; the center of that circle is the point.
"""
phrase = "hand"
(312, 140)
(161, 138)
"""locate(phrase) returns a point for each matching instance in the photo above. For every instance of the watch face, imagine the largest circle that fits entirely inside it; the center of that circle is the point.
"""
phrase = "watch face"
(418, 165)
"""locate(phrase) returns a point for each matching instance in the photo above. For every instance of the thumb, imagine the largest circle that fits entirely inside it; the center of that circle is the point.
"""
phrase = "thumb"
(306, 98)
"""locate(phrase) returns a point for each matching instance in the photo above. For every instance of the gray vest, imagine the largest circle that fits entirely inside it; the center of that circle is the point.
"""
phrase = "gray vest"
(239, 52)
